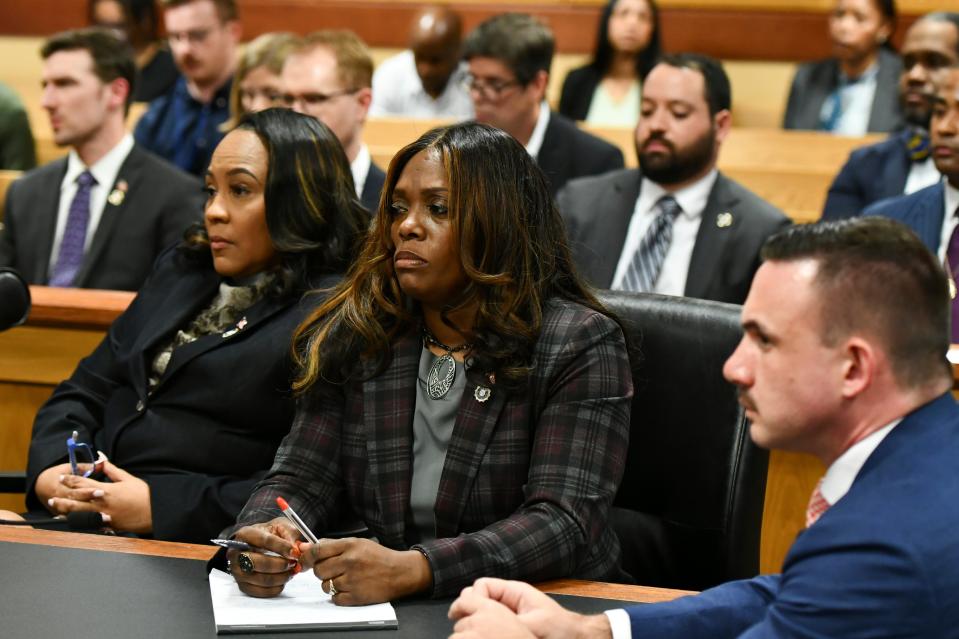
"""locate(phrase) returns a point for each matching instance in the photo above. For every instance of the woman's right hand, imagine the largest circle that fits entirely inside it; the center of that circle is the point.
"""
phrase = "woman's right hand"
(268, 575)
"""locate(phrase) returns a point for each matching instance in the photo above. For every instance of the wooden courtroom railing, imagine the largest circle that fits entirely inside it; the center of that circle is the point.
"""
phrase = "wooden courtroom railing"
(64, 326)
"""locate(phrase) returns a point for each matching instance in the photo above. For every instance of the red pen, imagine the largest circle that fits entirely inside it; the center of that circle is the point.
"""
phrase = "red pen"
(290, 514)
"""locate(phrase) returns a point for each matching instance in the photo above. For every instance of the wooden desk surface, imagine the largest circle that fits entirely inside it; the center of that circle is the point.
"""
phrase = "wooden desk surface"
(26, 535)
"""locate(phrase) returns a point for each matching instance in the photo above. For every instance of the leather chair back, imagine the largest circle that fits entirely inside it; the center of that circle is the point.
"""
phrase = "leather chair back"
(689, 509)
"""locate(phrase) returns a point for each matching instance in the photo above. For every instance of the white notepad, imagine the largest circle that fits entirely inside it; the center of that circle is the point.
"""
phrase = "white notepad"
(301, 606)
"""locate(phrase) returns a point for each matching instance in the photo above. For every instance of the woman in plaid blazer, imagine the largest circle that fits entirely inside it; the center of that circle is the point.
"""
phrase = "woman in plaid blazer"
(464, 290)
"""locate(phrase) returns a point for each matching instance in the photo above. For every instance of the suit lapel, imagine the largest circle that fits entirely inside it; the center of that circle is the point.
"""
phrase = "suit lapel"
(389, 401)
(553, 158)
(929, 213)
(116, 204)
(619, 202)
(718, 224)
(44, 209)
(884, 116)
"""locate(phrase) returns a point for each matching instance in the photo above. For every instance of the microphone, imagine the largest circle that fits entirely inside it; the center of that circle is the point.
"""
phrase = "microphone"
(14, 299)
(75, 521)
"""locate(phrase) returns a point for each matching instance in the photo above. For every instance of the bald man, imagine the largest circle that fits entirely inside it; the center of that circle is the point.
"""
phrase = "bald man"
(426, 80)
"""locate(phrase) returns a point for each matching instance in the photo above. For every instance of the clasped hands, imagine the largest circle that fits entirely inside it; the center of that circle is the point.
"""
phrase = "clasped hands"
(361, 570)
(124, 500)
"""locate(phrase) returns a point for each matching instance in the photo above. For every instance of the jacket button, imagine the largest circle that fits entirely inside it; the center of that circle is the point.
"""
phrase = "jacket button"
(140, 406)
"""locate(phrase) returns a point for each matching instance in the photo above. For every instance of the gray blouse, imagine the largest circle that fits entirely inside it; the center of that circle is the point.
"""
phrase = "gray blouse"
(433, 421)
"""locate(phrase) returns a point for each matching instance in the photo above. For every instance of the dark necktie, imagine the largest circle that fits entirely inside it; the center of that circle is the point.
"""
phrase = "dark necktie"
(648, 260)
(952, 267)
(70, 256)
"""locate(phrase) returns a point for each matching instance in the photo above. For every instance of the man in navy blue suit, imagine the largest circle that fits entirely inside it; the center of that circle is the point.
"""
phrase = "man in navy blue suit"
(900, 164)
(843, 357)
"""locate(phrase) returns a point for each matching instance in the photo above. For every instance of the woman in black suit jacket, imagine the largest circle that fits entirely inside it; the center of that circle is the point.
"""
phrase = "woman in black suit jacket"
(189, 393)
(627, 46)
(819, 98)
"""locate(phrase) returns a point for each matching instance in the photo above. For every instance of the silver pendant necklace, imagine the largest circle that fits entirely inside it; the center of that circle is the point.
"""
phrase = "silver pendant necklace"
(436, 385)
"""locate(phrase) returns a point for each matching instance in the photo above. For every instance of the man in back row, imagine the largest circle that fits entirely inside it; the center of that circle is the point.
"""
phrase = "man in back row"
(509, 58)
(676, 225)
(99, 217)
(843, 358)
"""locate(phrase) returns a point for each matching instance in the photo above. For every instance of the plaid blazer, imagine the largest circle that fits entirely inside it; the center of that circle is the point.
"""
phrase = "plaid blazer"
(528, 478)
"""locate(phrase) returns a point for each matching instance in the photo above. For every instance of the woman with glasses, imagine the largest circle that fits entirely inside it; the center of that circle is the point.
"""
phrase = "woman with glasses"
(463, 393)
(188, 396)
(607, 91)
(256, 81)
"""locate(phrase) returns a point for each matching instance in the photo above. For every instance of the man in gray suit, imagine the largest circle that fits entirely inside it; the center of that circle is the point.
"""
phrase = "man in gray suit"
(99, 217)
(676, 225)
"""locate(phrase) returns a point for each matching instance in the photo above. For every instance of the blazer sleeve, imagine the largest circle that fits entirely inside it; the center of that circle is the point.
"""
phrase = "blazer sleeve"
(845, 198)
(183, 209)
(577, 458)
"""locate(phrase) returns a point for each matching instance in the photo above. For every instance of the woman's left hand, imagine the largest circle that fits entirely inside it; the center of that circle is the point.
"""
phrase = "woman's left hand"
(364, 572)
(125, 499)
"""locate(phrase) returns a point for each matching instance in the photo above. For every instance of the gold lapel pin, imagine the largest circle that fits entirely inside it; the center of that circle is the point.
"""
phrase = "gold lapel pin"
(724, 220)
(118, 193)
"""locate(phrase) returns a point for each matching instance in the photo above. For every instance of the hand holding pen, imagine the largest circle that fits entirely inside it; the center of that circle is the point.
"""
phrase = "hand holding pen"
(271, 559)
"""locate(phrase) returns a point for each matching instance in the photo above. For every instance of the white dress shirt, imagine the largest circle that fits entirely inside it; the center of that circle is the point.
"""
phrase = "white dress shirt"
(692, 199)
(835, 484)
(105, 172)
(539, 131)
(360, 168)
(921, 175)
(949, 219)
(398, 91)
(855, 100)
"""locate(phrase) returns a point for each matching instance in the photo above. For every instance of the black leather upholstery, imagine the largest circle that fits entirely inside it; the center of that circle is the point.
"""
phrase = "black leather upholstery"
(689, 509)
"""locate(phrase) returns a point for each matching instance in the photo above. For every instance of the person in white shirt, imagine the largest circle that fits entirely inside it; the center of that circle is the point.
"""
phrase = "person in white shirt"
(99, 217)
(426, 80)
(707, 244)
(843, 358)
(328, 76)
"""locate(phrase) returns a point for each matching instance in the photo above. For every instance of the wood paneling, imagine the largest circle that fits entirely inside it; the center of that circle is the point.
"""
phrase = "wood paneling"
(791, 480)
(733, 29)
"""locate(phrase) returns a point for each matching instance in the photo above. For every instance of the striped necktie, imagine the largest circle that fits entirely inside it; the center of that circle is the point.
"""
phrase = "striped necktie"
(648, 260)
(817, 505)
(952, 269)
(70, 256)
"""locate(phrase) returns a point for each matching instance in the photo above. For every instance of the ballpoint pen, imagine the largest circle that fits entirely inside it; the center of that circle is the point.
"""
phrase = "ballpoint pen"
(290, 514)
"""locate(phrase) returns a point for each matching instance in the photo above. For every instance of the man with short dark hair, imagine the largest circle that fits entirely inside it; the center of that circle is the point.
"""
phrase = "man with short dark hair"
(901, 164)
(675, 225)
(509, 58)
(99, 217)
(843, 357)
(426, 80)
(328, 76)
(183, 126)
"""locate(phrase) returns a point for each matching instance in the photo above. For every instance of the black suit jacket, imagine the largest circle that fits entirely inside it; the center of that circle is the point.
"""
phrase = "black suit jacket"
(578, 89)
(814, 81)
(598, 210)
(370, 197)
(569, 152)
(208, 431)
(160, 203)
(872, 173)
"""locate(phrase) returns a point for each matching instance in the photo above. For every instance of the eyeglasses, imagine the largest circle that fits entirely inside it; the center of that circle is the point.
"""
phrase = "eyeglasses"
(488, 89)
(311, 100)
(82, 451)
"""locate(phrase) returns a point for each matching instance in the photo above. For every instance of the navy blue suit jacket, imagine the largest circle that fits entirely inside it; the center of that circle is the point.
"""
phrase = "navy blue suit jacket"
(882, 562)
(921, 211)
(872, 173)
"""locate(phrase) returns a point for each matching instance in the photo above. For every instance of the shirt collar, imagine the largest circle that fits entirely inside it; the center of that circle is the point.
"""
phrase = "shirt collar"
(105, 169)
(539, 131)
(842, 473)
(360, 167)
(691, 199)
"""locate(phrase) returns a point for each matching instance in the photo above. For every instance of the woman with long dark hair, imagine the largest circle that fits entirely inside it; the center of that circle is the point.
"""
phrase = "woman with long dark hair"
(189, 394)
(607, 91)
(463, 393)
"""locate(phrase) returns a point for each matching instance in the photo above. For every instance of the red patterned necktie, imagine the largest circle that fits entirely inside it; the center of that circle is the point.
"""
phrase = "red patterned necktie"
(817, 505)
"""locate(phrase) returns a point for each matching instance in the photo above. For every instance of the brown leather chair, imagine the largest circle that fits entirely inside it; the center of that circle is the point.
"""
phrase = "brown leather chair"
(689, 509)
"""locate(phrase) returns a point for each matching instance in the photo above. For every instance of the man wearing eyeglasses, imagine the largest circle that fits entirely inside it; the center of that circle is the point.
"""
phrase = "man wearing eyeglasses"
(183, 125)
(509, 57)
(328, 76)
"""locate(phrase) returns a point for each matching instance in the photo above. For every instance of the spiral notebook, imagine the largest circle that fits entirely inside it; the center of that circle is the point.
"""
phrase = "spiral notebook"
(301, 606)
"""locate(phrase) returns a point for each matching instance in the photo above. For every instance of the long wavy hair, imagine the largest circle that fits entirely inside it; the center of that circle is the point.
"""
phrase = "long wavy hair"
(645, 59)
(512, 247)
(312, 214)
